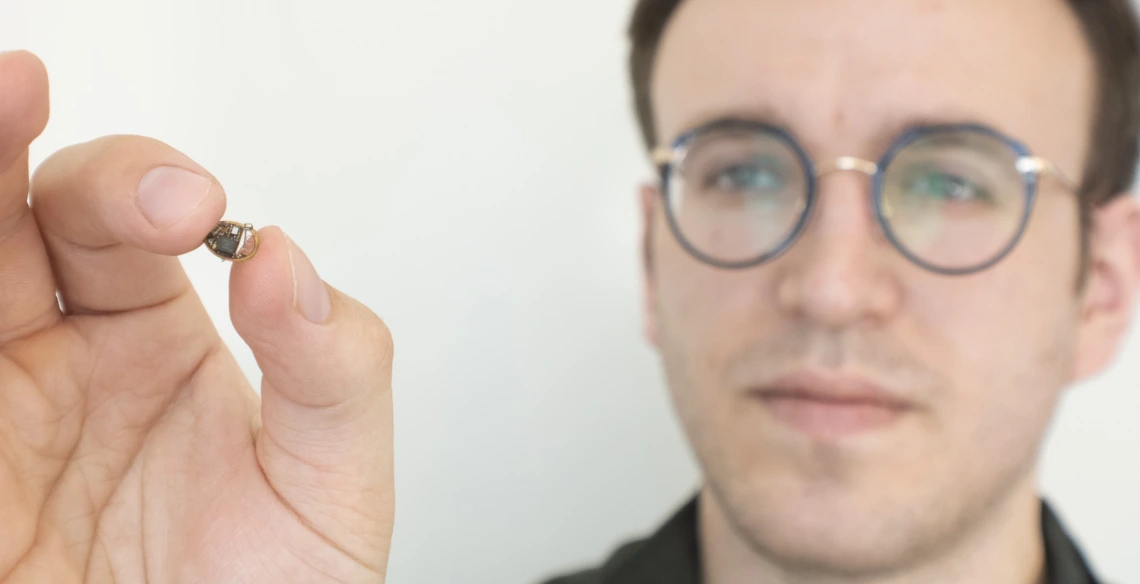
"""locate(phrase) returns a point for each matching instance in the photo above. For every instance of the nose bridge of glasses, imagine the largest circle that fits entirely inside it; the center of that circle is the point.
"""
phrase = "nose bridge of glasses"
(847, 163)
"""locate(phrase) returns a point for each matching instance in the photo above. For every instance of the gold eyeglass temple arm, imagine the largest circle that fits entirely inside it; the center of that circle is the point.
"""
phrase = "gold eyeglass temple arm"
(1042, 167)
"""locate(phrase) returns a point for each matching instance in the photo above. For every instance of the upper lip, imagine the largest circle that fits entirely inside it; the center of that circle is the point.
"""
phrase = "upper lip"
(834, 388)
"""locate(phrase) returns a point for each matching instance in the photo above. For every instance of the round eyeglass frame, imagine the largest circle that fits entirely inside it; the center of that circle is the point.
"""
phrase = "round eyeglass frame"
(1030, 167)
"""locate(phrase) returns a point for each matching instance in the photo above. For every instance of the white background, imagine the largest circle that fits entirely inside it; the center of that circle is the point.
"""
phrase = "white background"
(468, 169)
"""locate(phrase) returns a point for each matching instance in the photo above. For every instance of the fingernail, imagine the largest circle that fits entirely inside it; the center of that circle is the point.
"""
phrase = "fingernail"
(167, 194)
(310, 295)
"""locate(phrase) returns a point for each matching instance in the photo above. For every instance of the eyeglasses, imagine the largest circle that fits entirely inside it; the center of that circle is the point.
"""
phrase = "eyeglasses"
(954, 199)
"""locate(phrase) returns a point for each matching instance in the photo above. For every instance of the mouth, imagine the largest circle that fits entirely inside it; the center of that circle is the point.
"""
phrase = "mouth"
(831, 406)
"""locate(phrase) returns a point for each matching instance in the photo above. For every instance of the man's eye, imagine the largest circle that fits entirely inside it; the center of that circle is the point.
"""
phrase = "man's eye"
(947, 187)
(746, 177)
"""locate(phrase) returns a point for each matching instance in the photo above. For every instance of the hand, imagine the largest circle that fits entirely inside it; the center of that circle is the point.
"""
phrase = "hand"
(132, 449)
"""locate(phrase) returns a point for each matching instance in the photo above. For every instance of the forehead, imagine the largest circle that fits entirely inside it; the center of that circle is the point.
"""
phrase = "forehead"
(845, 76)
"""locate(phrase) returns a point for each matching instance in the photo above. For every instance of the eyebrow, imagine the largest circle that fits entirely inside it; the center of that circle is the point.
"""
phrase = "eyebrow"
(883, 137)
(761, 116)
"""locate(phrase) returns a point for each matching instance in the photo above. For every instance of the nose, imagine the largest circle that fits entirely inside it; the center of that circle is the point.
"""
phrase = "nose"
(838, 274)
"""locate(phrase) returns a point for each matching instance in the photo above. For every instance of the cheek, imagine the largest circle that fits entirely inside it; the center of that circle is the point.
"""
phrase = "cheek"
(703, 316)
(1004, 339)
(1022, 308)
(707, 311)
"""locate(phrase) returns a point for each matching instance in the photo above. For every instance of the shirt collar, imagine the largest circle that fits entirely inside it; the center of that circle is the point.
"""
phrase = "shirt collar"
(672, 555)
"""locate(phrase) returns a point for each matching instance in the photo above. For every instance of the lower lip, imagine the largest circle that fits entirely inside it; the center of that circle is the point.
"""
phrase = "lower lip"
(822, 418)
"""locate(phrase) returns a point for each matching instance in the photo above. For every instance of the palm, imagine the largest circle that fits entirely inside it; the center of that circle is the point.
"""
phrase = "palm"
(133, 449)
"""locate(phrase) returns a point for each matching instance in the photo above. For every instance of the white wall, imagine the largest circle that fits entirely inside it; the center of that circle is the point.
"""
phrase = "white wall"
(467, 169)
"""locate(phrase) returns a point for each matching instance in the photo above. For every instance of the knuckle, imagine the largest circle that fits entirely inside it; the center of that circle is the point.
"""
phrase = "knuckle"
(379, 340)
(116, 155)
(384, 347)
(373, 343)
(108, 159)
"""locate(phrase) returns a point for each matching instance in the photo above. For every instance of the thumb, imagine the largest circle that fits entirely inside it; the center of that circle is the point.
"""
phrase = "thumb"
(325, 442)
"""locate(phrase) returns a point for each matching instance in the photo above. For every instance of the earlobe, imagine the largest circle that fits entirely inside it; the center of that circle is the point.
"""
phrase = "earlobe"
(1109, 297)
(647, 200)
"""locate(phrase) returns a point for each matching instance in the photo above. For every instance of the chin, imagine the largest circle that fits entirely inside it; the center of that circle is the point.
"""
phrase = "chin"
(834, 530)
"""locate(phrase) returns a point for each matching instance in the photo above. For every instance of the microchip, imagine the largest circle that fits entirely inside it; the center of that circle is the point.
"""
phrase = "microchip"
(232, 241)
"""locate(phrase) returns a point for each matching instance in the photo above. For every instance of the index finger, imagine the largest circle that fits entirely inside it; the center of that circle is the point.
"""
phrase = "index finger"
(114, 213)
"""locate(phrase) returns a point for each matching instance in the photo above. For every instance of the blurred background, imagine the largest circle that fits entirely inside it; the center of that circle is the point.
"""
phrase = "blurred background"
(468, 170)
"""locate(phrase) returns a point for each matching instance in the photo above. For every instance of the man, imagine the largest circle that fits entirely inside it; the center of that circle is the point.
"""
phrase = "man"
(867, 272)
(869, 277)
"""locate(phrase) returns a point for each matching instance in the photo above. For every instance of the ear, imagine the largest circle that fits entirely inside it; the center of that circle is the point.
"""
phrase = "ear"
(648, 197)
(1108, 299)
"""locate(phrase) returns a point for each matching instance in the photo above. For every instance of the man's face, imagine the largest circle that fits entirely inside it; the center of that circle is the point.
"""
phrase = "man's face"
(978, 360)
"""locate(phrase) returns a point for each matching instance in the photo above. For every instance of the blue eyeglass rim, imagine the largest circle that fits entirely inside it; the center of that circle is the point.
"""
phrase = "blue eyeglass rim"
(909, 136)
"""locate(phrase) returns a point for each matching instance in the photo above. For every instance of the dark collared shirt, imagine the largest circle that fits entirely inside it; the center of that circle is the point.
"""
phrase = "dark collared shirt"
(672, 556)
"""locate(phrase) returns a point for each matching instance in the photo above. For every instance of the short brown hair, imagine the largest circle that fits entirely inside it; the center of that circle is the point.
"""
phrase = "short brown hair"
(1113, 35)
